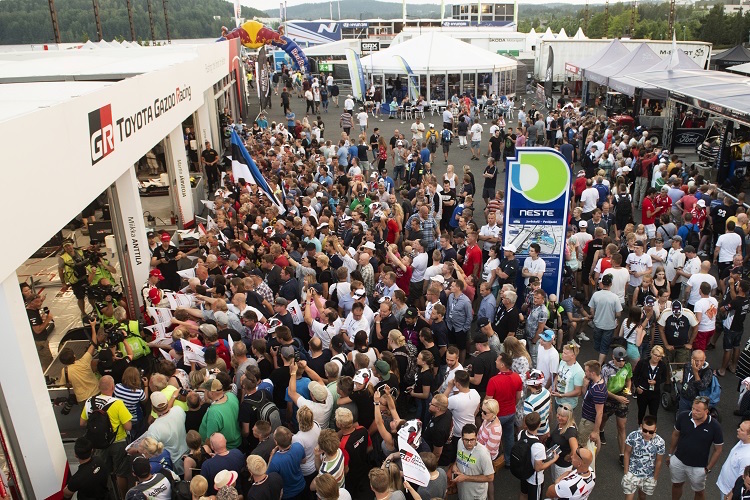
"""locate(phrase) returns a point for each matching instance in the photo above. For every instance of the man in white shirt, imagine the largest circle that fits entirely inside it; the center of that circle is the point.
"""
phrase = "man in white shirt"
(657, 253)
(463, 404)
(362, 118)
(675, 262)
(589, 199)
(639, 264)
(692, 266)
(533, 265)
(728, 245)
(355, 322)
(349, 104)
(547, 357)
(738, 459)
(620, 278)
(452, 366)
(706, 309)
(447, 119)
(489, 234)
(692, 291)
(417, 130)
(476, 139)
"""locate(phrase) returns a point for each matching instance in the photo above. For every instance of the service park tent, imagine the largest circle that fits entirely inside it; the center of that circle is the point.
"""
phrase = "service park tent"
(627, 85)
(443, 66)
(641, 59)
(742, 69)
(731, 57)
(612, 52)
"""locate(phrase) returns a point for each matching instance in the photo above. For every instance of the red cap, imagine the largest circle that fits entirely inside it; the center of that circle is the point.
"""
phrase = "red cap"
(165, 237)
(154, 295)
(157, 273)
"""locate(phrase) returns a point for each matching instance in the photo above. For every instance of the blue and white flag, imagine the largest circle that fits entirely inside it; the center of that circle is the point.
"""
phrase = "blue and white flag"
(356, 74)
(411, 78)
(243, 167)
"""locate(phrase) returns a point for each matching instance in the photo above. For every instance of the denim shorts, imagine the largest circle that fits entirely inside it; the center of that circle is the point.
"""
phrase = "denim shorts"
(732, 339)
(602, 339)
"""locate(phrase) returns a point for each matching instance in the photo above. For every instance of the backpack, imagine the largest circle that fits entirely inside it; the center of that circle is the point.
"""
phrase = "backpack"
(98, 425)
(323, 93)
(693, 236)
(180, 488)
(265, 409)
(411, 365)
(623, 210)
(520, 457)
(446, 136)
(433, 138)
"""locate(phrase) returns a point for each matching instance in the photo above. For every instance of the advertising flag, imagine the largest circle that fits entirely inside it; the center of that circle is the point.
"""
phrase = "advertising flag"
(356, 75)
(414, 468)
(244, 167)
(411, 78)
(536, 209)
(548, 76)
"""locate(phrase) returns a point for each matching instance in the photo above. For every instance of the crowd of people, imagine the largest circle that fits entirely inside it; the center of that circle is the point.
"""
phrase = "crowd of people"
(369, 308)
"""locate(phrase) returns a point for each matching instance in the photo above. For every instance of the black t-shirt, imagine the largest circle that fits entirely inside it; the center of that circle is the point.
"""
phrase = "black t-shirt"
(738, 310)
(439, 431)
(90, 480)
(435, 351)
(449, 254)
(270, 489)
(365, 408)
(35, 319)
(739, 492)
(355, 447)
(506, 321)
(484, 363)
(424, 378)
(496, 142)
(491, 181)
(193, 419)
(386, 325)
(170, 268)
(209, 155)
(318, 364)
(677, 330)
(720, 214)
(265, 367)
(280, 378)
(509, 267)
(362, 152)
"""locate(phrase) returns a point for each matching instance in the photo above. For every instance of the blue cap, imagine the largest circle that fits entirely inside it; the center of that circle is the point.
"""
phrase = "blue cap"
(547, 335)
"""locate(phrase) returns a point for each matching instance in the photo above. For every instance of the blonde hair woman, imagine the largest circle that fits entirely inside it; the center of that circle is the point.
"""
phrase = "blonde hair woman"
(450, 176)
(157, 456)
(565, 435)
(648, 376)
(198, 487)
(521, 365)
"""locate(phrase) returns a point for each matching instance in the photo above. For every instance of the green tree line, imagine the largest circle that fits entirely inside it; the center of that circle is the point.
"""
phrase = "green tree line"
(28, 21)
(651, 22)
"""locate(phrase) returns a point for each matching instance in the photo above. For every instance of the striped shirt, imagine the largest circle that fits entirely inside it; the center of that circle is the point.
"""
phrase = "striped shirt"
(491, 435)
(131, 398)
(335, 467)
(539, 403)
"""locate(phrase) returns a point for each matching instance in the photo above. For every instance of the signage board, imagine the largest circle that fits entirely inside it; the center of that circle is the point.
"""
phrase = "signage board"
(536, 209)
(369, 46)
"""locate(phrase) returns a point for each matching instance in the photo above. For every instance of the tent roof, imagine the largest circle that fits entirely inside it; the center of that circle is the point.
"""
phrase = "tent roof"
(435, 52)
(743, 69)
(337, 48)
(737, 55)
(640, 59)
(719, 88)
(627, 84)
(562, 35)
(579, 34)
(615, 50)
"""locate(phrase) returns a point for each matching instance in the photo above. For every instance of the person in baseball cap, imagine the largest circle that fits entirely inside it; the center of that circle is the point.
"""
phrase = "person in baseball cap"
(165, 237)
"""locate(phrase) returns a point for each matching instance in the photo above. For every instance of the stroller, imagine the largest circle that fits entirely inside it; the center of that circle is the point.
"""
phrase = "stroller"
(670, 394)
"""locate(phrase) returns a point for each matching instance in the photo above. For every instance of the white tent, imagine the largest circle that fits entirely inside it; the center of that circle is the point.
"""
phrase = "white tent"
(548, 35)
(562, 35)
(443, 66)
(579, 35)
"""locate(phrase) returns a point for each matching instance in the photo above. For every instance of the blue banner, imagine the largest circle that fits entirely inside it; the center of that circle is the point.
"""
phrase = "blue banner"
(356, 74)
(313, 32)
(536, 209)
(243, 167)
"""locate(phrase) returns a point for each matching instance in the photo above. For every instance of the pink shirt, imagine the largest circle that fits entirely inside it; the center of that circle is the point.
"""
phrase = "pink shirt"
(491, 435)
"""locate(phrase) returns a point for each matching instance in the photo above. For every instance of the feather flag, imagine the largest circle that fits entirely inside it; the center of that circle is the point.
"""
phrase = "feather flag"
(243, 167)
(411, 78)
(355, 74)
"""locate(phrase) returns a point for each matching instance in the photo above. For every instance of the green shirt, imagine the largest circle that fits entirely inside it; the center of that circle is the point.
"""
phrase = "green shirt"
(223, 417)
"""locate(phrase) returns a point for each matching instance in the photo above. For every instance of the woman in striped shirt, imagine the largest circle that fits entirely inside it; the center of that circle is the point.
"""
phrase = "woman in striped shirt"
(132, 391)
(491, 435)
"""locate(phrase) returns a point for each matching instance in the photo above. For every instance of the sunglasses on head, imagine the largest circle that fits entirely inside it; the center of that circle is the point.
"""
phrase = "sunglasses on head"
(701, 399)
(565, 407)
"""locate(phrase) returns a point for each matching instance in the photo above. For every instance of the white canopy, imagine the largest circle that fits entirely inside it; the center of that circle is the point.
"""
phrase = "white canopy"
(337, 48)
(579, 34)
(743, 69)
(436, 53)
(562, 35)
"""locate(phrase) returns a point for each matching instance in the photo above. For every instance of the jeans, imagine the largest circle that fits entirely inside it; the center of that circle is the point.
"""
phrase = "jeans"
(602, 339)
(509, 436)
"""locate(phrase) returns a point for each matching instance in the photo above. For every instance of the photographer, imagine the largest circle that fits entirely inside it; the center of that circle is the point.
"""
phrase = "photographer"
(77, 374)
(72, 270)
(100, 271)
(42, 324)
(111, 360)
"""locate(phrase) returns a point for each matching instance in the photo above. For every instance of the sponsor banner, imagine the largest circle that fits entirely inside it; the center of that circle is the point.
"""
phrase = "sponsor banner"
(536, 209)
(711, 107)
(355, 25)
(369, 46)
(548, 76)
(572, 68)
(461, 24)
(313, 32)
(179, 171)
(412, 465)
(688, 136)
(356, 75)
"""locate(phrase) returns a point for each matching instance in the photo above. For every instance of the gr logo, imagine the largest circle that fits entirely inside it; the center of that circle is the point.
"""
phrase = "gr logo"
(101, 133)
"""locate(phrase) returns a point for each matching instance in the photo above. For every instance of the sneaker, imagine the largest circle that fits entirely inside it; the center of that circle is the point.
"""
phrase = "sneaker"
(582, 336)
(602, 438)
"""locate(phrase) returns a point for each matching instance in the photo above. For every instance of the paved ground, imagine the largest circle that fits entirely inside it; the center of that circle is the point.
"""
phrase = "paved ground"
(609, 472)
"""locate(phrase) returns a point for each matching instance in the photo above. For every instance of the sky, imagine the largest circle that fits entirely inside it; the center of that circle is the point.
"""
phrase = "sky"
(274, 4)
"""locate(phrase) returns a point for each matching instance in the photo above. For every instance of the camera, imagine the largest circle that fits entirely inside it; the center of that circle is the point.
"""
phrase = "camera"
(296, 356)
(68, 403)
(114, 334)
(184, 392)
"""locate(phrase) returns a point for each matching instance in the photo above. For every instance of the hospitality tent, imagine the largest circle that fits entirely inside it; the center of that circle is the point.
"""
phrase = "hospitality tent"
(443, 66)
(742, 69)
(640, 59)
(627, 85)
(612, 52)
(579, 35)
(731, 57)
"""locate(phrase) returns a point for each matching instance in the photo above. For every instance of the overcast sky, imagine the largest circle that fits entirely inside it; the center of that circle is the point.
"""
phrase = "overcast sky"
(274, 4)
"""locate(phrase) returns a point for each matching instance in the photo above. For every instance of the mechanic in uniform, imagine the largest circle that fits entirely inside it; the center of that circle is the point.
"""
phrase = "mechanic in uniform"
(66, 269)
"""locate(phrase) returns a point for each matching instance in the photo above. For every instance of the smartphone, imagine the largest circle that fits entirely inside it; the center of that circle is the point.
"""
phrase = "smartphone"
(184, 392)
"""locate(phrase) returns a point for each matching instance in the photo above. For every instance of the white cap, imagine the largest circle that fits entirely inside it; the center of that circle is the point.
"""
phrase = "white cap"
(702, 203)
(510, 247)
(438, 278)
(370, 245)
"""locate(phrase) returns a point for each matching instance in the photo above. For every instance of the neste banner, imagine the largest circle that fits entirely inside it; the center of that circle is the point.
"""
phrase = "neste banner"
(536, 210)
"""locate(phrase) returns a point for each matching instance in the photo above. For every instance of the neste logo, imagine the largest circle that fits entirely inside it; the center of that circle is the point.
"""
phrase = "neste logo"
(541, 176)
(101, 133)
